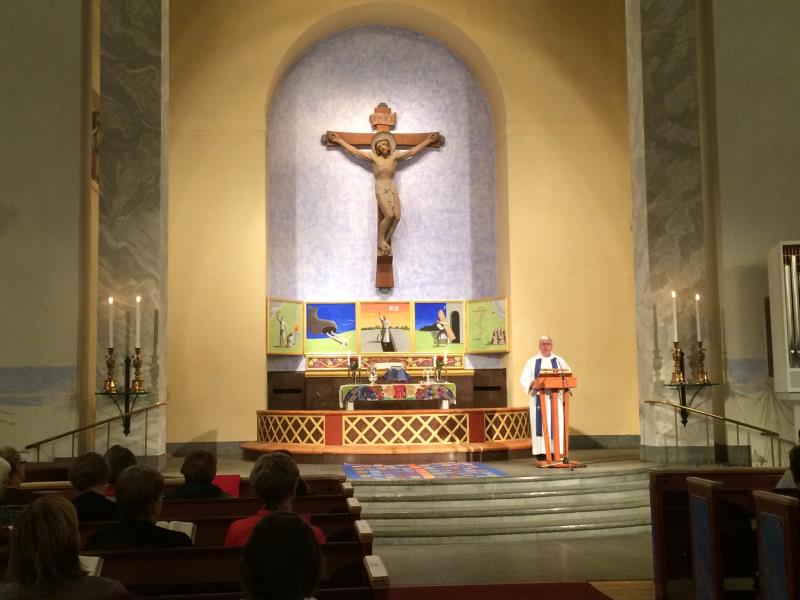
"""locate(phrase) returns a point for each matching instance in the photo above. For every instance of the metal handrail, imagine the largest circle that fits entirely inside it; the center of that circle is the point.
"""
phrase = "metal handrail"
(772, 435)
(763, 431)
(106, 422)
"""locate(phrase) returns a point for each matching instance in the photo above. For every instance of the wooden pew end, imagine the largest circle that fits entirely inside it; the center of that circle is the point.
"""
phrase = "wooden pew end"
(376, 571)
(354, 506)
(364, 531)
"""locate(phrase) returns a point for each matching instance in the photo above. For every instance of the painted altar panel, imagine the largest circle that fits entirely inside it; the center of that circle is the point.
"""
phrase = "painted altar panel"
(331, 328)
(385, 327)
(284, 326)
(487, 325)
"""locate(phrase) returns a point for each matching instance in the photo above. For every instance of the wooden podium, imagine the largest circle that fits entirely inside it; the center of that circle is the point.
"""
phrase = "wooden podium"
(549, 385)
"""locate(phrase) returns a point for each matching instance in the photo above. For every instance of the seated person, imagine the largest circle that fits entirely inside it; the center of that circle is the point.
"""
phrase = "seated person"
(789, 483)
(7, 515)
(199, 469)
(274, 478)
(118, 458)
(282, 559)
(139, 496)
(89, 475)
(43, 558)
(15, 494)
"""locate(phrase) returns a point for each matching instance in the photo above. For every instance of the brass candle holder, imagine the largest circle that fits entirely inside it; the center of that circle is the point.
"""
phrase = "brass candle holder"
(110, 385)
(702, 375)
(137, 385)
(678, 376)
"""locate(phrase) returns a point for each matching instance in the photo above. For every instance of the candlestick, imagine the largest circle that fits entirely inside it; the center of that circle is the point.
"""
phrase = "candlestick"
(110, 321)
(110, 385)
(702, 375)
(697, 315)
(674, 317)
(138, 320)
(678, 376)
(137, 385)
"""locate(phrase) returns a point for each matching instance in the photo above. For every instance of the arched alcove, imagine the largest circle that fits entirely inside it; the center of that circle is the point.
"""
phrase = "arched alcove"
(321, 203)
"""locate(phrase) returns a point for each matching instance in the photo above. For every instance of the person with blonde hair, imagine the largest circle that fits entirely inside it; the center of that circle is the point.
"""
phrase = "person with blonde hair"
(14, 493)
(43, 560)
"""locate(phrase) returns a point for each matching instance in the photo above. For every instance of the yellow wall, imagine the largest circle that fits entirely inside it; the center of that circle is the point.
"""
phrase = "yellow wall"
(554, 72)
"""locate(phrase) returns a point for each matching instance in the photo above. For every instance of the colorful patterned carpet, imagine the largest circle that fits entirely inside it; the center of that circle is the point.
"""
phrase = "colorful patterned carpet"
(448, 470)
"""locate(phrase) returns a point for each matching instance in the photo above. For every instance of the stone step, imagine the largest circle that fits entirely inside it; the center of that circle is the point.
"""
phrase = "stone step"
(556, 480)
(583, 495)
(433, 524)
(600, 528)
(380, 513)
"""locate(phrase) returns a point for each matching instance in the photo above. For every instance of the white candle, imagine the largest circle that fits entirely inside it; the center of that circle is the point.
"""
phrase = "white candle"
(445, 355)
(348, 359)
(138, 320)
(697, 315)
(674, 318)
(110, 321)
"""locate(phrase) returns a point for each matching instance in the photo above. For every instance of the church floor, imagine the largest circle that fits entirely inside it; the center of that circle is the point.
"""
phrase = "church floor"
(605, 459)
(619, 566)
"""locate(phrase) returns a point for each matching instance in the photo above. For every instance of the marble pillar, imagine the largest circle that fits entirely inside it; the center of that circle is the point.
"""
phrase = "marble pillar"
(133, 206)
(672, 223)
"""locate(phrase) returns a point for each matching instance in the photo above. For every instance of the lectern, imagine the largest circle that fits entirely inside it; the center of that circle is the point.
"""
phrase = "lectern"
(551, 384)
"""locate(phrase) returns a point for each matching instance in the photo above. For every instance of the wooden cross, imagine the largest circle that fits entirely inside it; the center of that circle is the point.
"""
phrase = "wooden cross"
(383, 120)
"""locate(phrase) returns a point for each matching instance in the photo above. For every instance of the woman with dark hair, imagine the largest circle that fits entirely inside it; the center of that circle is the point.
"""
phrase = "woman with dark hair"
(199, 469)
(282, 560)
(43, 558)
(118, 458)
(89, 475)
(140, 491)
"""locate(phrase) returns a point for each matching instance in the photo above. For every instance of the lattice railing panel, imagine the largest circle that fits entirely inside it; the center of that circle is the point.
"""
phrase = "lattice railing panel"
(405, 429)
(291, 429)
(502, 426)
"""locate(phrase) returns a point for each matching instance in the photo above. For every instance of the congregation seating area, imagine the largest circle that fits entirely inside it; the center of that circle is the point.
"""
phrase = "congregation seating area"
(208, 569)
(723, 533)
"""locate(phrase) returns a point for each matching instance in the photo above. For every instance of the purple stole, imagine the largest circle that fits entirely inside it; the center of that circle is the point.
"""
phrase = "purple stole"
(553, 414)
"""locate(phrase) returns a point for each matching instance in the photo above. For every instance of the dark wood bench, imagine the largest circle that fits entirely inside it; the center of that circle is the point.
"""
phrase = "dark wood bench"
(211, 530)
(203, 570)
(317, 486)
(778, 545)
(669, 508)
(724, 561)
(188, 510)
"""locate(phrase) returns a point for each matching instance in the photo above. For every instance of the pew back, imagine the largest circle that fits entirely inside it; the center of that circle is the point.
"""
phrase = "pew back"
(669, 507)
(778, 551)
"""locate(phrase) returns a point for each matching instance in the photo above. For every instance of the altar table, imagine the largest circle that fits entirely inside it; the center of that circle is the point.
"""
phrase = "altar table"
(351, 393)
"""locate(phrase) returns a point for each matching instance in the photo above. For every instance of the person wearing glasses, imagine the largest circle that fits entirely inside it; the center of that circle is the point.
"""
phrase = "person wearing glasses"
(545, 359)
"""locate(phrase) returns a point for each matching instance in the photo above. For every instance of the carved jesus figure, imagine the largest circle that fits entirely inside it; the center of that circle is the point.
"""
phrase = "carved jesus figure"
(384, 157)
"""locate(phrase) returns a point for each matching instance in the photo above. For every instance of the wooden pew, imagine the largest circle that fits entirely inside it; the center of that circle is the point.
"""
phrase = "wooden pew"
(197, 570)
(669, 509)
(723, 540)
(188, 510)
(211, 530)
(317, 486)
(778, 545)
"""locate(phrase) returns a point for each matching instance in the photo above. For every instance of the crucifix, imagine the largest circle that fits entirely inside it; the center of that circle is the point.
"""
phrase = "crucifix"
(384, 157)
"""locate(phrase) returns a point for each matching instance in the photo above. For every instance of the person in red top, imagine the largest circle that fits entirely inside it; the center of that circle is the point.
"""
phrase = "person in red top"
(274, 478)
